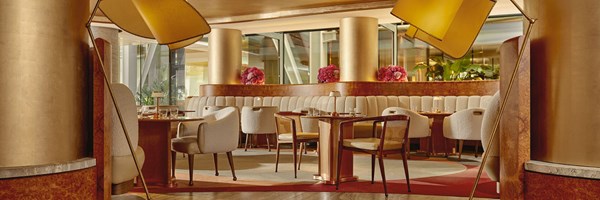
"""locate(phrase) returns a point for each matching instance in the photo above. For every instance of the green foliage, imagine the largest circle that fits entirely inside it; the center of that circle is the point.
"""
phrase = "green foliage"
(455, 70)
(144, 96)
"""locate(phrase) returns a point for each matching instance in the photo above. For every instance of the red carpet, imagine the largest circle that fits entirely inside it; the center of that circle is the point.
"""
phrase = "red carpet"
(459, 184)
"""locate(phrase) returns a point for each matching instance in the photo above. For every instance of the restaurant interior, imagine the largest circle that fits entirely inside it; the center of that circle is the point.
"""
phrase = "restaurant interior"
(312, 99)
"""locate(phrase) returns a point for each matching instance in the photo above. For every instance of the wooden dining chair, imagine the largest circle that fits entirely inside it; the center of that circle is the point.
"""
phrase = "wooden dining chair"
(289, 130)
(391, 140)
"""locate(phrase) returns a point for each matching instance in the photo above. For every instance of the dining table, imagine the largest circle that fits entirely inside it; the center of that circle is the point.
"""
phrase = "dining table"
(329, 133)
(439, 144)
(155, 138)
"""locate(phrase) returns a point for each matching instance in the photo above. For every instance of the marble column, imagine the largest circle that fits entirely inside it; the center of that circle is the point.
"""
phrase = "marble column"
(225, 56)
(358, 48)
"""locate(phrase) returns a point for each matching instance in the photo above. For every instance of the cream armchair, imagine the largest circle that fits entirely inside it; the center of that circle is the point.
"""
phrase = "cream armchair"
(217, 133)
(419, 124)
(492, 166)
(258, 120)
(464, 125)
(123, 166)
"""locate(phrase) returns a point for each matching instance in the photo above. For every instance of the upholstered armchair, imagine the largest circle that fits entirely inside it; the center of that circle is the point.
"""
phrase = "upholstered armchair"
(419, 124)
(464, 125)
(217, 133)
(258, 120)
(123, 166)
(492, 166)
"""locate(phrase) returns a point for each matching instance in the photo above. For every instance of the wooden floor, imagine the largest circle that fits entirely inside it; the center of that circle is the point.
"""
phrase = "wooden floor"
(279, 196)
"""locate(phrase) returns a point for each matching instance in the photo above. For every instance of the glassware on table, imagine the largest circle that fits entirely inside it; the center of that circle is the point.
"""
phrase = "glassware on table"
(164, 113)
(174, 112)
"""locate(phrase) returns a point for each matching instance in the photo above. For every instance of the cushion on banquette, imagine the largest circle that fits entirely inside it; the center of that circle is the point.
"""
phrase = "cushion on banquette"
(368, 105)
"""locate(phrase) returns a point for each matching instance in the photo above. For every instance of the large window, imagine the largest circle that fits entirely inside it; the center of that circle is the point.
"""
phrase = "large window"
(295, 58)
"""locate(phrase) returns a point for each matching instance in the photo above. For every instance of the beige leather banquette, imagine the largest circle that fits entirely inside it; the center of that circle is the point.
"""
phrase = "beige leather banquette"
(369, 105)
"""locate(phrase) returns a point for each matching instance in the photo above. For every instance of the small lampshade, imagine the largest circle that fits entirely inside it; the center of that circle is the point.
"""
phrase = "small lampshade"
(174, 23)
(157, 94)
(452, 31)
(335, 94)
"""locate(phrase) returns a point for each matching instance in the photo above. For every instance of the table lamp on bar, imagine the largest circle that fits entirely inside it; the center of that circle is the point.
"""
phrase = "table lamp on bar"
(452, 26)
(335, 94)
(174, 23)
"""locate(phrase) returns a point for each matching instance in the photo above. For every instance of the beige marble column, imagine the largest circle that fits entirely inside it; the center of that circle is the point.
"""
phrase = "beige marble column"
(565, 88)
(358, 48)
(44, 110)
(225, 56)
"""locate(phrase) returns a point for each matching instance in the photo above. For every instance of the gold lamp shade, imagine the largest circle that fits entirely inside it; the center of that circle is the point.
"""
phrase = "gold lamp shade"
(461, 29)
(432, 16)
(174, 23)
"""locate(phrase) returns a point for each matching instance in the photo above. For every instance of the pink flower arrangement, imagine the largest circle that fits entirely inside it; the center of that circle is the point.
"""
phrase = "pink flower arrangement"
(329, 74)
(392, 74)
(253, 76)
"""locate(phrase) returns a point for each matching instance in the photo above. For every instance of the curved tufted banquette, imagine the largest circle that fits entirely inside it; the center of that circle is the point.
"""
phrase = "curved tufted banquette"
(369, 105)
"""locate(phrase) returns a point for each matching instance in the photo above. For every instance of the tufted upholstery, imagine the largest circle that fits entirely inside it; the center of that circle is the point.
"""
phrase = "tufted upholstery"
(369, 105)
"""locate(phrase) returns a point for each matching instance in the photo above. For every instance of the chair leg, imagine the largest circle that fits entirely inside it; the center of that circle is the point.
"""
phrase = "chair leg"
(382, 174)
(295, 152)
(230, 158)
(191, 168)
(373, 168)
(305, 149)
(300, 157)
(173, 158)
(268, 144)
(408, 148)
(277, 157)
(476, 148)
(460, 147)
(405, 163)
(246, 145)
(216, 161)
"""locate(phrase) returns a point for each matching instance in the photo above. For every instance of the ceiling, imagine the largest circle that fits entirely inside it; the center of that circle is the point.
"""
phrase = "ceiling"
(264, 16)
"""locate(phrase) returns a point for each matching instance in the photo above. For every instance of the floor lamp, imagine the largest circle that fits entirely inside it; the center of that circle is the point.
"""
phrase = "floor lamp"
(173, 23)
(452, 26)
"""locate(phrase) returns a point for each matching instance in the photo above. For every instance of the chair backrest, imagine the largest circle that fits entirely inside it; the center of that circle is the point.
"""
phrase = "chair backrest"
(464, 124)
(259, 119)
(207, 110)
(419, 124)
(126, 102)
(288, 122)
(487, 124)
(396, 128)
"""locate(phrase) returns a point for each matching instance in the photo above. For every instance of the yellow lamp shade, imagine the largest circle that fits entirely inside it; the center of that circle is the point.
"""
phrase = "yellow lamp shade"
(124, 14)
(174, 23)
(462, 31)
(431, 16)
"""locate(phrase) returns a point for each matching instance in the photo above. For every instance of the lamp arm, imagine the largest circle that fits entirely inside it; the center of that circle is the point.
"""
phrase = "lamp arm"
(505, 98)
(531, 20)
(135, 160)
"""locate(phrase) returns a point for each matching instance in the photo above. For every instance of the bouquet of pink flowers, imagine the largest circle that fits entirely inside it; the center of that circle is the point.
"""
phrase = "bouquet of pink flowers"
(329, 74)
(392, 74)
(253, 76)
